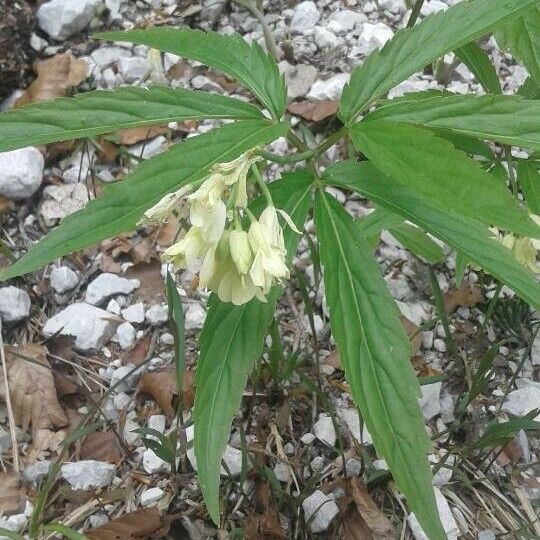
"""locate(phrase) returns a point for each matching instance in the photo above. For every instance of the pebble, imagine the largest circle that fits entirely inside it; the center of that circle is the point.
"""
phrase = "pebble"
(317, 463)
(325, 39)
(133, 69)
(125, 334)
(157, 422)
(153, 464)
(107, 285)
(21, 172)
(151, 496)
(282, 472)
(14, 304)
(114, 307)
(353, 467)
(89, 325)
(130, 425)
(324, 430)
(157, 314)
(15, 523)
(124, 378)
(61, 201)
(486, 534)
(88, 474)
(63, 279)
(307, 438)
(319, 510)
(523, 400)
(439, 345)
(305, 16)
(37, 470)
(430, 400)
(134, 313)
(299, 78)
(433, 6)
(373, 37)
(351, 418)
(344, 21)
(194, 317)
(62, 19)
(447, 519)
(330, 88)
(105, 57)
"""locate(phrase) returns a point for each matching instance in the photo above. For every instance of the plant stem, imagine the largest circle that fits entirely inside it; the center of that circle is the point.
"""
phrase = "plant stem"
(262, 184)
(415, 13)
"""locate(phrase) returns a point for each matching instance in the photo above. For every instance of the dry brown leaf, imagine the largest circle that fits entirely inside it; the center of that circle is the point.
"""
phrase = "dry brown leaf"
(45, 441)
(11, 496)
(142, 524)
(466, 295)
(264, 525)
(313, 111)
(32, 389)
(137, 134)
(149, 276)
(375, 519)
(414, 334)
(101, 446)
(161, 385)
(54, 76)
(137, 354)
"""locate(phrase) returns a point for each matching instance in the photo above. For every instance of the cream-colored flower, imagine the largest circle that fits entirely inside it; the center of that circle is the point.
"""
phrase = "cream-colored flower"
(185, 252)
(523, 248)
(161, 211)
(240, 249)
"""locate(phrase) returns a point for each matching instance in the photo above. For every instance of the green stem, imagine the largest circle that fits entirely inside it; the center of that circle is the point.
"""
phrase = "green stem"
(491, 307)
(415, 13)
(262, 184)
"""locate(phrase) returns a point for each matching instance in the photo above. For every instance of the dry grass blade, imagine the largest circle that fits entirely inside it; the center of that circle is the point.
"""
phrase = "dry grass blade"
(11, 499)
(136, 525)
(54, 76)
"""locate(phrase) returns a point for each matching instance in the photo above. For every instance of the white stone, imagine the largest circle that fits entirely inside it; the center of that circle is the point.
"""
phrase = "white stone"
(130, 425)
(63, 279)
(62, 19)
(399, 287)
(88, 474)
(486, 534)
(107, 285)
(37, 470)
(324, 39)
(430, 400)
(124, 378)
(114, 307)
(410, 85)
(443, 476)
(373, 36)
(393, 6)
(307, 438)
(133, 69)
(353, 467)
(89, 325)
(21, 172)
(134, 313)
(447, 519)
(319, 510)
(14, 304)
(282, 472)
(351, 418)
(105, 57)
(125, 334)
(61, 201)
(523, 400)
(299, 78)
(15, 523)
(194, 317)
(151, 496)
(153, 464)
(157, 314)
(330, 88)
(157, 422)
(317, 463)
(433, 6)
(414, 311)
(324, 430)
(305, 16)
(345, 21)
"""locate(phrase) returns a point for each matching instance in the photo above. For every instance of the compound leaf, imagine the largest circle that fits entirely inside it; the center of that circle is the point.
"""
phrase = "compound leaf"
(231, 341)
(375, 354)
(464, 234)
(122, 204)
(478, 61)
(246, 62)
(411, 49)
(94, 113)
(442, 174)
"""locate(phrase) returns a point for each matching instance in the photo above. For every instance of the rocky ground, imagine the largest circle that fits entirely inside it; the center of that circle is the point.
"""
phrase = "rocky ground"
(88, 346)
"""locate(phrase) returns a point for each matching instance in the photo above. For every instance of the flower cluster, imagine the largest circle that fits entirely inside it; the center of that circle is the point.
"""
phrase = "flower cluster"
(236, 264)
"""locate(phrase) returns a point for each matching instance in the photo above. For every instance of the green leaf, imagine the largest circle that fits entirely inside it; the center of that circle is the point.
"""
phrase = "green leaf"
(504, 119)
(375, 354)
(529, 180)
(459, 232)
(66, 532)
(376, 222)
(498, 434)
(231, 341)
(418, 242)
(529, 89)
(410, 50)
(122, 205)
(10, 534)
(478, 61)
(94, 113)
(445, 176)
(521, 36)
(248, 63)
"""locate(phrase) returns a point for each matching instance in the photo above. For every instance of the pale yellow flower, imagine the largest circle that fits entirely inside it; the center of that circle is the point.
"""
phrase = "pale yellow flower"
(240, 249)
(161, 211)
(185, 252)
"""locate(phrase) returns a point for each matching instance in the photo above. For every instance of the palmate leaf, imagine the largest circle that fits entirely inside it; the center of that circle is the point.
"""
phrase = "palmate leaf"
(94, 113)
(123, 204)
(445, 176)
(464, 234)
(412, 49)
(478, 61)
(375, 354)
(521, 36)
(231, 341)
(248, 63)
(504, 119)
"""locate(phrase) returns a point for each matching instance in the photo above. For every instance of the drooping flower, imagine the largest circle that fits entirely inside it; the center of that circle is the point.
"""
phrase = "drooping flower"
(161, 211)
(240, 249)
(523, 248)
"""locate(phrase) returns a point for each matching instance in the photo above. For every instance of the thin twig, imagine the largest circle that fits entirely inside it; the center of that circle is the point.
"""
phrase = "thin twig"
(11, 416)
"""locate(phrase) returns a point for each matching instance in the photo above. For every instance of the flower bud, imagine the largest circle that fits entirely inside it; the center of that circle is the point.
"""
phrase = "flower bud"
(240, 251)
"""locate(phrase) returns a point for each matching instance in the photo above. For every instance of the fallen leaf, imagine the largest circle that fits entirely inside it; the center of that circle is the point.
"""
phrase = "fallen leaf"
(264, 525)
(149, 276)
(32, 389)
(141, 524)
(466, 295)
(313, 111)
(137, 354)
(161, 385)
(414, 334)
(54, 76)
(134, 135)
(375, 519)
(101, 446)
(45, 441)
(11, 496)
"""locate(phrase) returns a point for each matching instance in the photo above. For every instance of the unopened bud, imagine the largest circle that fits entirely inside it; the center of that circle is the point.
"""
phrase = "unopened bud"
(240, 251)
